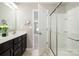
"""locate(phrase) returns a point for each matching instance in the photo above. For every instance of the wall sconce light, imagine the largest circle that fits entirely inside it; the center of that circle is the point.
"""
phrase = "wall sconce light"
(27, 22)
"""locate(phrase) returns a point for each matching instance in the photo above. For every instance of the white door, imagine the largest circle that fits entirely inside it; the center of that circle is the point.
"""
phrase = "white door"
(43, 27)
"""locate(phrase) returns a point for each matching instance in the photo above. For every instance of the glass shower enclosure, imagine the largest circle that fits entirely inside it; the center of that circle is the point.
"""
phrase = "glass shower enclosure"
(64, 29)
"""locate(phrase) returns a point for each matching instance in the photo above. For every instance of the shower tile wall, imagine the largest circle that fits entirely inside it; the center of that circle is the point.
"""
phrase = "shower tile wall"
(73, 28)
(67, 17)
(68, 25)
(61, 31)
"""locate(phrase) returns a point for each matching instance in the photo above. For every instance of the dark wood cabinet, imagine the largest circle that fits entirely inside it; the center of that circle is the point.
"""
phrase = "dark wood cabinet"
(17, 46)
(14, 47)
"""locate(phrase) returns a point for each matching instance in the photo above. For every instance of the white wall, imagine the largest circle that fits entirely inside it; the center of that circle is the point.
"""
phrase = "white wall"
(49, 7)
(25, 13)
(73, 26)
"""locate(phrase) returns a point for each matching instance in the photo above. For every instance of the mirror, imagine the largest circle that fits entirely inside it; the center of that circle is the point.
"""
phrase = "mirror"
(8, 14)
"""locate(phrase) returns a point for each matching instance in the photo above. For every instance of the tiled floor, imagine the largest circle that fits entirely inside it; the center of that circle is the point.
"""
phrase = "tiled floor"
(38, 52)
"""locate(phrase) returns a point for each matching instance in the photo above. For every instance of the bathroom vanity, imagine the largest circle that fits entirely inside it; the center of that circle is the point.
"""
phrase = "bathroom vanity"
(13, 45)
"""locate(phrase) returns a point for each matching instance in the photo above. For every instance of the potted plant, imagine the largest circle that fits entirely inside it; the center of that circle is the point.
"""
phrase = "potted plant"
(3, 29)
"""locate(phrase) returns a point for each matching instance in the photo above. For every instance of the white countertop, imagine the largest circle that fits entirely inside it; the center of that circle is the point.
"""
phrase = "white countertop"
(11, 36)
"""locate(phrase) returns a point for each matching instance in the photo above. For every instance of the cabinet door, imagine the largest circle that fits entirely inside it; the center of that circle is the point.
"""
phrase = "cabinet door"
(18, 52)
(25, 41)
(24, 45)
(6, 53)
(6, 48)
(17, 46)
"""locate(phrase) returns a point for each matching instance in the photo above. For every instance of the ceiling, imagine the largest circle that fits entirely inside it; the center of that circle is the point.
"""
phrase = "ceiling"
(28, 3)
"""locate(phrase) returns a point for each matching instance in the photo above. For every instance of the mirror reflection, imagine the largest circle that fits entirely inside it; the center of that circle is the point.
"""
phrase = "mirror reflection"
(7, 18)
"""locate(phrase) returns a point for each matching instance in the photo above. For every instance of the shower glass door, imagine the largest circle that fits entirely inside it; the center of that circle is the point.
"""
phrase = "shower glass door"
(53, 40)
(58, 34)
(65, 29)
